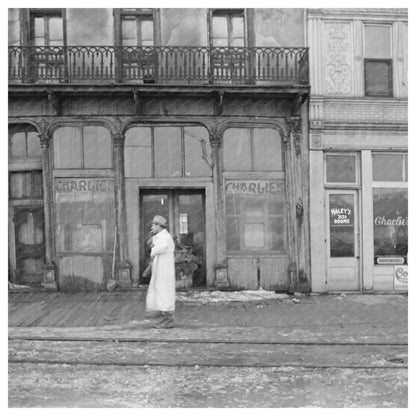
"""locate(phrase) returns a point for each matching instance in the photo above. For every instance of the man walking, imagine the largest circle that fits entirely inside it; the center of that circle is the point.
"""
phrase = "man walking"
(160, 297)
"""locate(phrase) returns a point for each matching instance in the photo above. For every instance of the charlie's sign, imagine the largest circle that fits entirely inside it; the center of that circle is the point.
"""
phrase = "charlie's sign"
(253, 187)
(382, 220)
(84, 185)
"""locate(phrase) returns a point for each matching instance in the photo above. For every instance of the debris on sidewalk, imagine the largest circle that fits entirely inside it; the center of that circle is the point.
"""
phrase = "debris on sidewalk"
(228, 296)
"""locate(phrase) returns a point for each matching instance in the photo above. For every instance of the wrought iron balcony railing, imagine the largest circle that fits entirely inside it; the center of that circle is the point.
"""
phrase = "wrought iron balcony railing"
(158, 65)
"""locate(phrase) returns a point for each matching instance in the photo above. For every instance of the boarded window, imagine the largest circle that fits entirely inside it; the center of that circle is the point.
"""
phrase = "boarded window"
(27, 184)
(255, 216)
(85, 215)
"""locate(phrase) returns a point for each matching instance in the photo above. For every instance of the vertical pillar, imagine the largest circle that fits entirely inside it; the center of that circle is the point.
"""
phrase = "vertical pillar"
(291, 237)
(124, 266)
(49, 269)
(300, 199)
(221, 278)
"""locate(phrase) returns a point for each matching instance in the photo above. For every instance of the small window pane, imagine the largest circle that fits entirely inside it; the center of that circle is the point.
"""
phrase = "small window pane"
(237, 150)
(55, 31)
(388, 167)
(128, 32)
(237, 27)
(197, 152)
(18, 144)
(147, 32)
(340, 169)
(390, 210)
(267, 150)
(39, 30)
(67, 148)
(405, 169)
(138, 162)
(219, 27)
(378, 80)
(377, 42)
(97, 147)
(33, 144)
(233, 233)
(139, 136)
(168, 162)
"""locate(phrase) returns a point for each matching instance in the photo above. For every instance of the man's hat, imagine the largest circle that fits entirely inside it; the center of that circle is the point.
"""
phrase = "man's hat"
(158, 219)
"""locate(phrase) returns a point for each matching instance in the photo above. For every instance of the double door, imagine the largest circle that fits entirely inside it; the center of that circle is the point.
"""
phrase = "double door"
(185, 212)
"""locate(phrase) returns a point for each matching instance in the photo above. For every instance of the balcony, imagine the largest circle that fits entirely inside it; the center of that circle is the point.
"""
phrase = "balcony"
(161, 65)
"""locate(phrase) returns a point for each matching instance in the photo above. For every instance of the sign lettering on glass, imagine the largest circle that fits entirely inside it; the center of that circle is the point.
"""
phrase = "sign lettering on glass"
(341, 216)
(254, 187)
(382, 220)
(84, 185)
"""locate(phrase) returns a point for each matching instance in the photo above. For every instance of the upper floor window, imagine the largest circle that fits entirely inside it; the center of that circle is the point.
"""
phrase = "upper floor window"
(24, 143)
(252, 150)
(46, 28)
(137, 29)
(378, 76)
(82, 147)
(228, 28)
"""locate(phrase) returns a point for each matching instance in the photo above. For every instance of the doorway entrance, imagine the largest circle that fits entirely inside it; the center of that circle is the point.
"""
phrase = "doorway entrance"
(30, 246)
(185, 211)
(343, 240)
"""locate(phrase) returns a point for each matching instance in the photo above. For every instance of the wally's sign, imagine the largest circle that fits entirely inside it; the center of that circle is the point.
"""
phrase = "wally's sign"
(341, 216)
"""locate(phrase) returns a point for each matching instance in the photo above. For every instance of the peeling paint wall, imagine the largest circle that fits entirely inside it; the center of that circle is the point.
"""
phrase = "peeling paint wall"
(184, 27)
(279, 27)
(89, 27)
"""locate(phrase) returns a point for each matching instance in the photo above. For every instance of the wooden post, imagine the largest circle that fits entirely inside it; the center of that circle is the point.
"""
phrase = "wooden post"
(221, 278)
(124, 266)
(49, 269)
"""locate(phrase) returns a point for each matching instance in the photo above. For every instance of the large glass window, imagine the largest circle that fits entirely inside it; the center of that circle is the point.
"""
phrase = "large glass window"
(85, 215)
(390, 211)
(252, 149)
(255, 216)
(167, 152)
(377, 61)
(88, 147)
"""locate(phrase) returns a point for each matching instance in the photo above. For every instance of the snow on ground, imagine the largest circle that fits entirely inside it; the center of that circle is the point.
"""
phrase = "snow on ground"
(227, 296)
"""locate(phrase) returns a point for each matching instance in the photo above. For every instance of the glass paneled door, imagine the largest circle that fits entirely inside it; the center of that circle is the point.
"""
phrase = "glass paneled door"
(185, 212)
(342, 241)
(30, 247)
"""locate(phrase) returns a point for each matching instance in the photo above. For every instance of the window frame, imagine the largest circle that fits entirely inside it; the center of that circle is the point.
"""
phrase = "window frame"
(25, 130)
(388, 60)
(343, 184)
(82, 167)
(139, 14)
(48, 13)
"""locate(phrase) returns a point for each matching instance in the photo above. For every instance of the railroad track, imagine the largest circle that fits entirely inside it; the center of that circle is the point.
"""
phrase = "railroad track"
(158, 352)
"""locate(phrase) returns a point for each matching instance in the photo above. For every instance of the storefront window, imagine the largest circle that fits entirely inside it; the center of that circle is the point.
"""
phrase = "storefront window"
(252, 149)
(88, 147)
(341, 169)
(390, 212)
(167, 152)
(255, 215)
(85, 215)
(138, 153)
